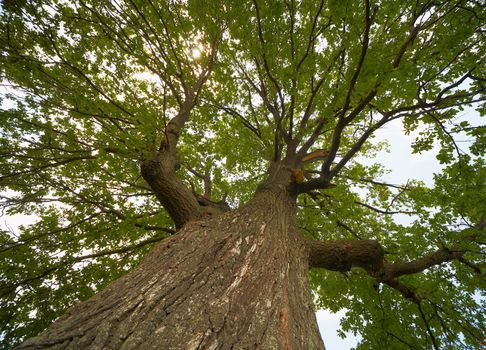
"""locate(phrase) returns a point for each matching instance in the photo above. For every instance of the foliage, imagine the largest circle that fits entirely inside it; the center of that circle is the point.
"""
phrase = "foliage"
(89, 86)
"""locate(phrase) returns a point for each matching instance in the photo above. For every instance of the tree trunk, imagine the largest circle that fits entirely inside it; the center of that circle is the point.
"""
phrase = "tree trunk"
(235, 281)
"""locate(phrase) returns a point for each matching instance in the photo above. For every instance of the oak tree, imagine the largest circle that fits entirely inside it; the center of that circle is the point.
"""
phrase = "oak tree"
(201, 173)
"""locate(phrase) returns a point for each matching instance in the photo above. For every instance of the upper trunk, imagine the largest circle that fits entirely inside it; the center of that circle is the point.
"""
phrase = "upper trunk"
(235, 281)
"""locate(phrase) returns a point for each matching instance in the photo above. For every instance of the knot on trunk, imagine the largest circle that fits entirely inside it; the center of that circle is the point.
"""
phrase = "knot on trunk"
(163, 163)
(149, 169)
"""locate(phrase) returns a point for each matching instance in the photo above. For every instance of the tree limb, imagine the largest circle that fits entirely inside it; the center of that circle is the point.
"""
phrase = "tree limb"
(341, 255)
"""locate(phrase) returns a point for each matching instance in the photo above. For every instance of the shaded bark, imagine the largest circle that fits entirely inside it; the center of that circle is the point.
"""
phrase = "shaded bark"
(235, 281)
(341, 255)
(180, 203)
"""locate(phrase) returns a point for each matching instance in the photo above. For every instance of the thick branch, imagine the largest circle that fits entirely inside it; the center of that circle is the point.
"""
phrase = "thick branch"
(172, 193)
(160, 172)
(312, 184)
(341, 255)
(393, 270)
(176, 124)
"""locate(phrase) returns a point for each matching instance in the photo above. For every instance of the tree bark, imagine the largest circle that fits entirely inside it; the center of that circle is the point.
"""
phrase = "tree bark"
(234, 281)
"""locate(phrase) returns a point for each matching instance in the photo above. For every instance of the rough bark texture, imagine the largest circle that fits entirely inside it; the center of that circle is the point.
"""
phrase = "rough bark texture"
(234, 281)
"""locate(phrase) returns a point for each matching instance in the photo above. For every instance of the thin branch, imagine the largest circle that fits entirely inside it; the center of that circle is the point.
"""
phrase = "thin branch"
(400, 339)
(206, 177)
(265, 60)
(312, 36)
(354, 149)
(411, 37)
(429, 330)
(29, 239)
(347, 228)
(381, 211)
(233, 112)
(73, 260)
(374, 182)
(35, 170)
(443, 128)
(364, 50)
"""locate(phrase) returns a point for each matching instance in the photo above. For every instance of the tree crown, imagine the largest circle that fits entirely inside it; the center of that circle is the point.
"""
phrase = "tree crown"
(93, 89)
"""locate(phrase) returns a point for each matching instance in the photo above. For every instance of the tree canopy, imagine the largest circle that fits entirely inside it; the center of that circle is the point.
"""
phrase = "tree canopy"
(91, 89)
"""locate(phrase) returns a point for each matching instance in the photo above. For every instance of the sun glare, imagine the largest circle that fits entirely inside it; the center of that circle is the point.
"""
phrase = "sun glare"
(196, 53)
